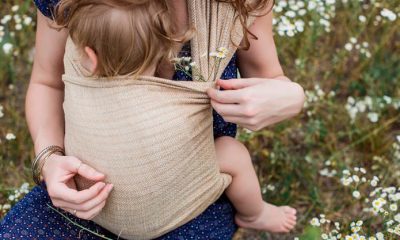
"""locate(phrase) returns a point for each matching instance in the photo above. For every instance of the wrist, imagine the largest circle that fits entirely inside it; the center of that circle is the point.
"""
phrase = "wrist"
(41, 159)
(44, 140)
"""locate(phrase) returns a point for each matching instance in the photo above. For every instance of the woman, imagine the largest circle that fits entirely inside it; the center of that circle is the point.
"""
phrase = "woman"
(264, 96)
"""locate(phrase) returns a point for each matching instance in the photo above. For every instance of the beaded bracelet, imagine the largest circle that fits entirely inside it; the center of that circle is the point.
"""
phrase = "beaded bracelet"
(41, 159)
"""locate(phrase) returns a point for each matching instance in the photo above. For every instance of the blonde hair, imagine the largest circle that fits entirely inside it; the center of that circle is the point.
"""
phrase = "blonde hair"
(128, 36)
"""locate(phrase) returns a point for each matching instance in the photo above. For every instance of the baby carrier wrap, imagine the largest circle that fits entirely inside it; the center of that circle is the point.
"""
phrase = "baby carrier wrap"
(152, 137)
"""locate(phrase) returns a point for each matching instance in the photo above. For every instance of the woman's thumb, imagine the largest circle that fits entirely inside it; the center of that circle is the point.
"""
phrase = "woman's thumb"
(84, 170)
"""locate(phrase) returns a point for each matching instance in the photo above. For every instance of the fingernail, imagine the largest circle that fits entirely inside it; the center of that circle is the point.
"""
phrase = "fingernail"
(110, 187)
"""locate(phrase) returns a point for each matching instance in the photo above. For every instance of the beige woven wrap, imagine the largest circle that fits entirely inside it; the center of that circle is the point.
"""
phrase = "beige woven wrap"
(152, 137)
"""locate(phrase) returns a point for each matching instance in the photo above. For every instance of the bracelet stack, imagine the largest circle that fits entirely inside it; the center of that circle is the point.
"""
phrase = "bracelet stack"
(41, 159)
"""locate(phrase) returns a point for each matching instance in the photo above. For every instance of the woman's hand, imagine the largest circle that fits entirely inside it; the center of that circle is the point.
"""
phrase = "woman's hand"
(58, 173)
(255, 103)
(263, 96)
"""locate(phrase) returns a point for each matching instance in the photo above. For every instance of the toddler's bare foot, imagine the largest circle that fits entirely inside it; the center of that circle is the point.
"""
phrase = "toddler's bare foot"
(272, 219)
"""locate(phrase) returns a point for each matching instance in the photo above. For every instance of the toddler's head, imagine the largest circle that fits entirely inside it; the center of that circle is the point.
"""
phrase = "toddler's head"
(120, 37)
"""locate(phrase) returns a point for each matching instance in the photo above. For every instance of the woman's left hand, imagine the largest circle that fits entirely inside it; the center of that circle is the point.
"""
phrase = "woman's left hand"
(255, 103)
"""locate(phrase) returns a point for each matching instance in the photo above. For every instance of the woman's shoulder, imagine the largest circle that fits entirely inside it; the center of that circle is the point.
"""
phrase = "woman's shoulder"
(46, 7)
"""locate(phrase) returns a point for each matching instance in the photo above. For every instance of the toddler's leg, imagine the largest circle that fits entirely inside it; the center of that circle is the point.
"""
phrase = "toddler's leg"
(244, 191)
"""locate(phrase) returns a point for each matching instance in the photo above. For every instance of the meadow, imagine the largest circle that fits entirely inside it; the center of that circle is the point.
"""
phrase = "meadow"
(337, 162)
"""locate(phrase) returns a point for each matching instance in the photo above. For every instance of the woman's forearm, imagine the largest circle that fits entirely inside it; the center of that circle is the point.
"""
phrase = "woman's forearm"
(45, 115)
(44, 98)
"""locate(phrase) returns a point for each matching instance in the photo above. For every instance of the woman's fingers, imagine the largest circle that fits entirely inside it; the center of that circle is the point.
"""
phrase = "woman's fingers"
(101, 197)
(87, 215)
(238, 83)
(62, 192)
(226, 96)
(89, 204)
(226, 110)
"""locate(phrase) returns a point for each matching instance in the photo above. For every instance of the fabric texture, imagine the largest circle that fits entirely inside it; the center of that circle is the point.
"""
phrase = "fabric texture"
(163, 169)
(153, 139)
(31, 218)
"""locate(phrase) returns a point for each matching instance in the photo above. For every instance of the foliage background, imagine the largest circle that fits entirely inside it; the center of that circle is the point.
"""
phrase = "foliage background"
(345, 53)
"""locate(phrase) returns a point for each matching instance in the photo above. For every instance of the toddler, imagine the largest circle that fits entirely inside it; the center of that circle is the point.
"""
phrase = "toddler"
(128, 38)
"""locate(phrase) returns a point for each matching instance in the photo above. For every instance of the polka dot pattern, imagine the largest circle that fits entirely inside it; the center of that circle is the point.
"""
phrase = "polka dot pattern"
(31, 218)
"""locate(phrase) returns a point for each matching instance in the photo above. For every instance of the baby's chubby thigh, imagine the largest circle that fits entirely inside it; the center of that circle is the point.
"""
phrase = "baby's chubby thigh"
(232, 156)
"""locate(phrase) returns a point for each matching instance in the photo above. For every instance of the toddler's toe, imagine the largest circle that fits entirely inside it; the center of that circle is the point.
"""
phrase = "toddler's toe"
(289, 210)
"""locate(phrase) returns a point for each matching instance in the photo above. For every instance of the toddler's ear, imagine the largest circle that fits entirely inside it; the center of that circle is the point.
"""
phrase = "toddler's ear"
(92, 59)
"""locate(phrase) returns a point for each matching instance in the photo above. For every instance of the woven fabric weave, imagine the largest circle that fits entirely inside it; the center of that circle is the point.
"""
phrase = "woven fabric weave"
(152, 137)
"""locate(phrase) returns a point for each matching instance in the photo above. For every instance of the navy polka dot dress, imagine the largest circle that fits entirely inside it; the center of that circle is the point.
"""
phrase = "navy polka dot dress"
(32, 218)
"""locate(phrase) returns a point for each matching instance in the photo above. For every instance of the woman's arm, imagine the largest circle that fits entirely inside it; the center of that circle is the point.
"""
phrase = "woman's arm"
(260, 98)
(45, 94)
(45, 119)
(261, 59)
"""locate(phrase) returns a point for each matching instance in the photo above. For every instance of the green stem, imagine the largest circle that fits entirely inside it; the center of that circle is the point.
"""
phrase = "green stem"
(212, 69)
(78, 225)
(181, 68)
(215, 74)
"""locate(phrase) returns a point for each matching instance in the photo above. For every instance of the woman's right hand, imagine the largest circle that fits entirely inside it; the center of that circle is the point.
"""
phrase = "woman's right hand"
(58, 173)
